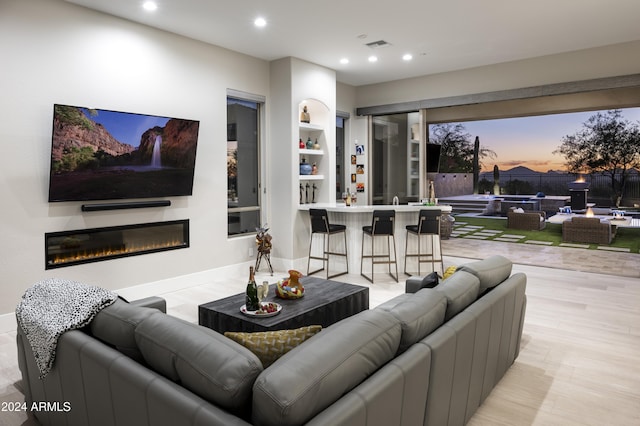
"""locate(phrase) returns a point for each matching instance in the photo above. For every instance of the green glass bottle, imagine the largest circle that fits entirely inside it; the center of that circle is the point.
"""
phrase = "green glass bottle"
(252, 303)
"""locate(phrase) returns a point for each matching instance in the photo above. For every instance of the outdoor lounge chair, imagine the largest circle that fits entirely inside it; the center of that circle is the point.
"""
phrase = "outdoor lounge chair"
(529, 220)
(587, 230)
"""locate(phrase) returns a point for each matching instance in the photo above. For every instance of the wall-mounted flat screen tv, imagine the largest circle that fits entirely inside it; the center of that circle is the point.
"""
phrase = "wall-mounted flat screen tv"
(433, 157)
(103, 155)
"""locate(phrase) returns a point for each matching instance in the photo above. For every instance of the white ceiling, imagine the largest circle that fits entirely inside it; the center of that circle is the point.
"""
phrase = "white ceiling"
(442, 35)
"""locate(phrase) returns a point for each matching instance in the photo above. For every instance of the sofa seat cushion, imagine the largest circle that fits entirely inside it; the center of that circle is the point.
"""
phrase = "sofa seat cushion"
(271, 345)
(115, 326)
(461, 289)
(419, 314)
(201, 360)
(490, 271)
(314, 375)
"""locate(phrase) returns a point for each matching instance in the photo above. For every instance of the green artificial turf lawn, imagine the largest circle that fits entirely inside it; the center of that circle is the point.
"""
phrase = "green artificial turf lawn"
(628, 238)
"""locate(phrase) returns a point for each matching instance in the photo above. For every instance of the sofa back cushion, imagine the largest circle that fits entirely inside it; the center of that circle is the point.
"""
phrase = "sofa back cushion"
(419, 314)
(317, 373)
(115, 326)
(490, 271)
(461, 289)
(201, 360)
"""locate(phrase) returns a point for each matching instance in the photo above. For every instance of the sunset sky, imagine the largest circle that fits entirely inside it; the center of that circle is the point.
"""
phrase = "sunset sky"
(530, 141)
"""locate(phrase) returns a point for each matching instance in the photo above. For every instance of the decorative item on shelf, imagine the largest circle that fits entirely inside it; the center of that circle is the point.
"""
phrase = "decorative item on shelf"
(314, 169)
(307, 189)
(251, 299)
(309, 143)
(313, 198)
(290, 288)
(305, 168)
(263, 241)
(304, 115)
(316, 145)
(301, 191)
(301, 144)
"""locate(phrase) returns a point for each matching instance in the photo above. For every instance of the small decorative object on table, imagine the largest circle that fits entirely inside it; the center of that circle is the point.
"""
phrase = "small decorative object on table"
(290, 288)
(266, 309)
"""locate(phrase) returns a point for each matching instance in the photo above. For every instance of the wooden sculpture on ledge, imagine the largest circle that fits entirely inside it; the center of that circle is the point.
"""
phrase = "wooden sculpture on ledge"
(263, 241)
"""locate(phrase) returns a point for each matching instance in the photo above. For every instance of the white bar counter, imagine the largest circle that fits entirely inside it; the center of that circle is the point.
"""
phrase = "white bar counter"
(355, 217)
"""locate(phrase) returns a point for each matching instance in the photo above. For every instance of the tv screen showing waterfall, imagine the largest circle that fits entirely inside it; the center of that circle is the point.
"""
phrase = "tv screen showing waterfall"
(108, 155)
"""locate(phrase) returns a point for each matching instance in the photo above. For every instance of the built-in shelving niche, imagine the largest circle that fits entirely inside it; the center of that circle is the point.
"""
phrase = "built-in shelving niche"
(94, 245)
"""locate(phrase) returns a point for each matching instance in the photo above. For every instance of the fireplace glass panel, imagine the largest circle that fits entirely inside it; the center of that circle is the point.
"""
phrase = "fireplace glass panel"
(93, 245)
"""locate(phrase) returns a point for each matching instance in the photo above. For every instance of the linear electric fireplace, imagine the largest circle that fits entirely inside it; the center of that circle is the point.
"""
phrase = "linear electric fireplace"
(94, 245)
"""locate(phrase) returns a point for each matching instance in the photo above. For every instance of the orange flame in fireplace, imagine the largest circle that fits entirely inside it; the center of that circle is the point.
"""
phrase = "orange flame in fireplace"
(110, 251)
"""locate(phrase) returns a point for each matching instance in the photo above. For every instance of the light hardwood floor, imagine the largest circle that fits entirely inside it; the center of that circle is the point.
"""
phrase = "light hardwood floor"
(579, 359)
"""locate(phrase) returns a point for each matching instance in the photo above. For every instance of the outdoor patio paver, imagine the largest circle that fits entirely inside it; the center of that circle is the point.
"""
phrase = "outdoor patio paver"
(620, 249)
(539, 243)
(584, 246)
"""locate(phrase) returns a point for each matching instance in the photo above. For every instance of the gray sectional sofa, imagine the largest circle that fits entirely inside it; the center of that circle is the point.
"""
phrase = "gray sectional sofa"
(426, 357)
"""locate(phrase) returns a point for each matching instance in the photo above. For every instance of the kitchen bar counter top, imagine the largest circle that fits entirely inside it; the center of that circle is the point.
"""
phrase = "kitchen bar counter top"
(341, 208)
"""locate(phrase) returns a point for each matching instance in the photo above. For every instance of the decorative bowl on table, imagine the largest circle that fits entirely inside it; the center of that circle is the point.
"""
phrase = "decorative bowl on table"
(290, 288)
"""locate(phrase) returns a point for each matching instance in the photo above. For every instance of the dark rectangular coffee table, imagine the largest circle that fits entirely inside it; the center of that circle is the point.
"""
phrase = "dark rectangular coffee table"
(325, 302)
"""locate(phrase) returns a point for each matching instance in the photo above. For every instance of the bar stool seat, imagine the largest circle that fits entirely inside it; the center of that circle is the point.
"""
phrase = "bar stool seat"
(382, 225)
(320, 225)
(428, 226)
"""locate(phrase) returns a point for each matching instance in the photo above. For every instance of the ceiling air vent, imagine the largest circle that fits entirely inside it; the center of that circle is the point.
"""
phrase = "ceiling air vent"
(378, 44)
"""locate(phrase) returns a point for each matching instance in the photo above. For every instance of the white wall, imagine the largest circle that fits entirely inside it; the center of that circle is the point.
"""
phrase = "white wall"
(293, 81)
(55, 52)
(608, 61)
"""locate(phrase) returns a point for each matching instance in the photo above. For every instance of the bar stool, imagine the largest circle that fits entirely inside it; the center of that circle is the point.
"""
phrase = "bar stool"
(382, 225)
(320, 225)
(428, 226)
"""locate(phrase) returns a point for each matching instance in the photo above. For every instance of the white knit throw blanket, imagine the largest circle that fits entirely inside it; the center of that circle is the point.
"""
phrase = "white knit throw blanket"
(53, 306)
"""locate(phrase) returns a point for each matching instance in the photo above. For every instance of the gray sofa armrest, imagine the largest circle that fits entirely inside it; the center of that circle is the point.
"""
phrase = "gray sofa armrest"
(152, 302)
(413, 284)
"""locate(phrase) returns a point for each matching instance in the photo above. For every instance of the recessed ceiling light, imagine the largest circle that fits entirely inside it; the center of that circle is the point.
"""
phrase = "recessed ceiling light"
(344, 61)
(373, 58)
(407, 57)
(149, 6)
(260, 22)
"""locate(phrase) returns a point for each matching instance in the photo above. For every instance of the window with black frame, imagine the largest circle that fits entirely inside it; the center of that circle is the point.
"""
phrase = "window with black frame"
(243, 166)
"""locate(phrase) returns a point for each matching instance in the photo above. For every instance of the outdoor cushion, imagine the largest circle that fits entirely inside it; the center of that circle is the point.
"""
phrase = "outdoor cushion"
(271, 345)
(205, 362)
(314, 375)
(461, 289)
(490, 271)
